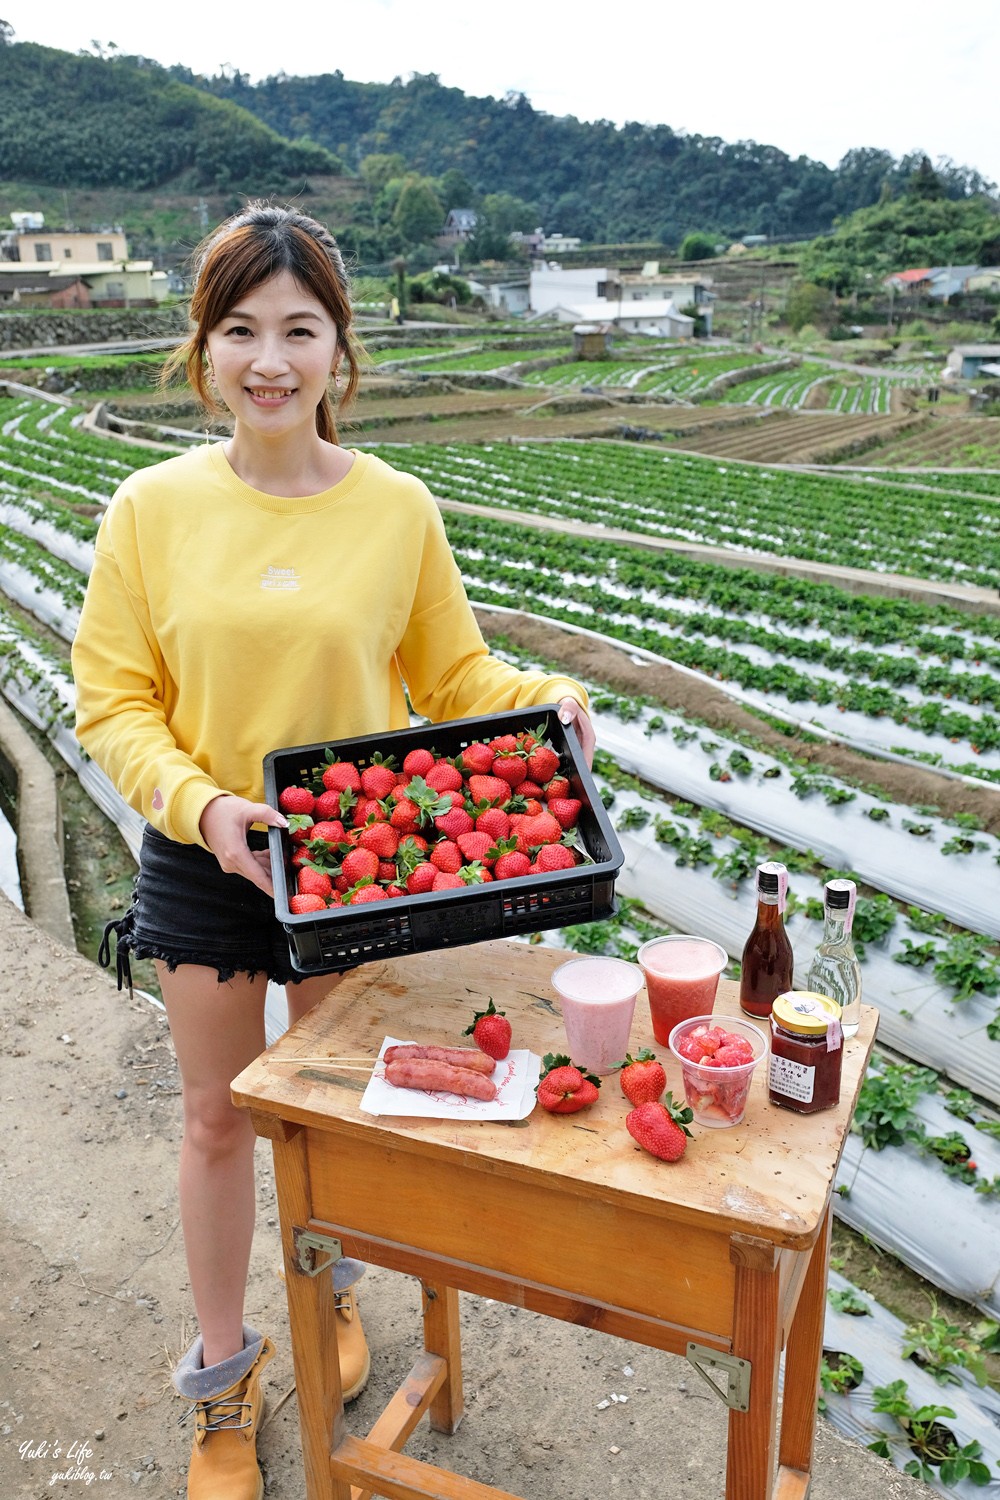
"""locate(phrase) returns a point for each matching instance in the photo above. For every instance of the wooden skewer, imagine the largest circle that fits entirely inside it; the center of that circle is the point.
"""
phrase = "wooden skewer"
(370, 1061)
(328, 1064)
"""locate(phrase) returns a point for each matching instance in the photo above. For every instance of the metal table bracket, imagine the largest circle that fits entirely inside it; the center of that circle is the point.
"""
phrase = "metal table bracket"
(736, 1394)
(309, 1247)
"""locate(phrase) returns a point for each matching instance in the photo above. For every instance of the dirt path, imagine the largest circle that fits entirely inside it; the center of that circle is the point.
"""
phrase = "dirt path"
(95, 1304)
(599, 662)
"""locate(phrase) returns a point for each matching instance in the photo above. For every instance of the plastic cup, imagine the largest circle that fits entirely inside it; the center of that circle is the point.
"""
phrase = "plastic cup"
(682, 977)
(717, 1095)
(598, 1001)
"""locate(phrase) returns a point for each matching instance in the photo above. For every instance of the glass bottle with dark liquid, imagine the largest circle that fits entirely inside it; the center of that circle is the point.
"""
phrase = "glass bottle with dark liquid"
(767, 957)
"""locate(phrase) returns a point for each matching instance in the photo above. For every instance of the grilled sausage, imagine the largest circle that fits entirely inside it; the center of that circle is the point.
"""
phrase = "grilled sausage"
(456, 1057)
(427, 1073)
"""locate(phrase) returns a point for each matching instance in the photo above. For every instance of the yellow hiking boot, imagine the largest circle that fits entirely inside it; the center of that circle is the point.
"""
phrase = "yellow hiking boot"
(228, 1404)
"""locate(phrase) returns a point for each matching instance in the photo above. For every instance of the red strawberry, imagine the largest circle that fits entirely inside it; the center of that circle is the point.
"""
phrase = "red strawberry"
(511, 865)
(543, 763)
(443, 777)
(642, 1078)
(509, 768)
(331, 831)
(303, 903)
(303, 855)
(300, 826)
(529, 788)
(395, 891)
(359, 864)
(474, 846)
(565, 810)
(555, 857)
(490, 789)
(455, 822)
(367, 807)
(491, 1031)
(295, 799)
(387, 871)
(543, 828)
(533, 807)
(660, 1128)
(379, 778)
(418, 762)
(448, 880)
(475, 874)
(328, 805)
(380, 837)
(495, 822)
(421, 879)
(447, 856)
(557, 787)
(475, 759)
(405, 816)
(314, 883)
(563, 1089)
(342, 776)
(503, 744)
(363, 894)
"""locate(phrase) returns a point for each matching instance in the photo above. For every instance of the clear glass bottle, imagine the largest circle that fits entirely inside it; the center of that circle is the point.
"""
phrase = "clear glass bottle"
(766, 970)
(835, 970)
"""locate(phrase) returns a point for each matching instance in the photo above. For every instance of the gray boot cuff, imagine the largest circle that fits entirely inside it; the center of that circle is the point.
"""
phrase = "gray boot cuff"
(197, 1383)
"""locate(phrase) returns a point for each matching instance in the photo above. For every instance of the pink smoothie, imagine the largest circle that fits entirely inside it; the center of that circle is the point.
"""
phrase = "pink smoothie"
(682, 976)
(598, 1001)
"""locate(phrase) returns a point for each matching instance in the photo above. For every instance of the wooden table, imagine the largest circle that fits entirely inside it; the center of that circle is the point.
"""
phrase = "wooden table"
(564, 1215)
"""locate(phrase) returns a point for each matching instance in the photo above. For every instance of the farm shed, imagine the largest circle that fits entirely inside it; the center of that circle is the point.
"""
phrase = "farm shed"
(966, 360)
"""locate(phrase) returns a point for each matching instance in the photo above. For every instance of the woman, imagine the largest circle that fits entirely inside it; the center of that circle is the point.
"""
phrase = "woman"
(271, 590)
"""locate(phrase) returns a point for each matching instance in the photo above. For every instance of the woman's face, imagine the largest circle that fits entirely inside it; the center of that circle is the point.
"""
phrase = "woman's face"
(272, 356)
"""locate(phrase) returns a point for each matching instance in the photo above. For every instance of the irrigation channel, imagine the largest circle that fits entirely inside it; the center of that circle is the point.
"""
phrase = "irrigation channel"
(695, 809)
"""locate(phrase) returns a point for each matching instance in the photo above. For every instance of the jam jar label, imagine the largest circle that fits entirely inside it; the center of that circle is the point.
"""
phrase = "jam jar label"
(796, 1080)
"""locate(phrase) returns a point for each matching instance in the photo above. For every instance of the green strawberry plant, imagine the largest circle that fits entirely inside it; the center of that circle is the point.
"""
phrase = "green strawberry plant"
(936, 1451)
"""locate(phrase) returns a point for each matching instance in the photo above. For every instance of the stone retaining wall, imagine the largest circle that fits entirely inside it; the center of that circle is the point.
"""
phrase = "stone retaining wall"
(34, 329)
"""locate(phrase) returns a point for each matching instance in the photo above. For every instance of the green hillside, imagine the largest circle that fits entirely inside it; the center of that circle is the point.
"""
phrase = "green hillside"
(93, 122)
(637, 182)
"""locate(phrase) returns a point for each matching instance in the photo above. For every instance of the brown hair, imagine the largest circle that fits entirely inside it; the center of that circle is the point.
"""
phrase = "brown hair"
(243, 253)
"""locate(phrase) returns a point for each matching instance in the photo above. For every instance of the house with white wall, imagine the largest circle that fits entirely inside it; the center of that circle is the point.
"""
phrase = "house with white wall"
(601, 294)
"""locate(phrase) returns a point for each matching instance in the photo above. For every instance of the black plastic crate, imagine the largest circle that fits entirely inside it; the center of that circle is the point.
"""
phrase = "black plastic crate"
(345, 936)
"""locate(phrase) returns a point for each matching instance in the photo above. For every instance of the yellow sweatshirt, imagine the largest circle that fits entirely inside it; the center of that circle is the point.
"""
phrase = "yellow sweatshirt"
(221, 623)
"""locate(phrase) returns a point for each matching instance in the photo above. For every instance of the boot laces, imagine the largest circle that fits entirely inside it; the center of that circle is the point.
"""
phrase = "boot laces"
(343, 1301)
(220, 1416)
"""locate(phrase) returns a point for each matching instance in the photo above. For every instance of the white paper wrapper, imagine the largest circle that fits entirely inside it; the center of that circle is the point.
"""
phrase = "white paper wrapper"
(516, 1079)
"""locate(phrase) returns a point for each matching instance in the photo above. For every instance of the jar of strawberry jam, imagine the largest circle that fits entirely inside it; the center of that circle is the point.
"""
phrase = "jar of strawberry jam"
(807, 1050)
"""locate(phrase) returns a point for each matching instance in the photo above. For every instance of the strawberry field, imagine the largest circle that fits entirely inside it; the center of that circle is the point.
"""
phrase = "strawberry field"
(697, 808)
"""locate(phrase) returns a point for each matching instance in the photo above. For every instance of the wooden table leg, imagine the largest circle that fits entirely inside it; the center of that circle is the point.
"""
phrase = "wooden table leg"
(802, 1359)
(313, 1327)
(442, 1336)
(757, 1338)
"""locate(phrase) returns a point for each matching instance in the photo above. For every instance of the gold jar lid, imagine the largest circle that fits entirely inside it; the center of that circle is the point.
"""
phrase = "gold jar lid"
(805, 1011)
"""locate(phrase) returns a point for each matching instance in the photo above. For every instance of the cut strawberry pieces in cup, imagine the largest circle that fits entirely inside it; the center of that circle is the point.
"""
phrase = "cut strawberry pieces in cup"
(718, 1056)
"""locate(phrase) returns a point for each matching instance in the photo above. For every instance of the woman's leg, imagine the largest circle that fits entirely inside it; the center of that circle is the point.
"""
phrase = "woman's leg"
(217, 1030)
(309, 992)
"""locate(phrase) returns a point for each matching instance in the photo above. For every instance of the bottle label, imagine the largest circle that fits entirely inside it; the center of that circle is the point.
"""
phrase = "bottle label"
(794, 1080)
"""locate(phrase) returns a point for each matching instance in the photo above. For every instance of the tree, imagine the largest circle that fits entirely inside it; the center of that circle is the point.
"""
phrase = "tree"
(807, 303)
(6, 33)
(697, 246)
(455, 190)
(418, 214)
(379, 168)
(925, 182)
(505, 213)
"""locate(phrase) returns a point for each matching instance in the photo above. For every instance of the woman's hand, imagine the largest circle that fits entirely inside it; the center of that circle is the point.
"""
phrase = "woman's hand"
(571, 712)
(224, 826)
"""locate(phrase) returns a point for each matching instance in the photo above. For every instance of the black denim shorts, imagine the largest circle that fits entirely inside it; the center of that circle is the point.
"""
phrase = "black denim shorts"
(186, 910)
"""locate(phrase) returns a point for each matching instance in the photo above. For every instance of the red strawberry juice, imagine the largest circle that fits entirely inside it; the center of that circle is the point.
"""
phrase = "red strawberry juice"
(597, 996)
(682, 976)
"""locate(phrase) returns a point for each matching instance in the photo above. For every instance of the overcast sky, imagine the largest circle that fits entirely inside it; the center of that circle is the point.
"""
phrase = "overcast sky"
(814, 80)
